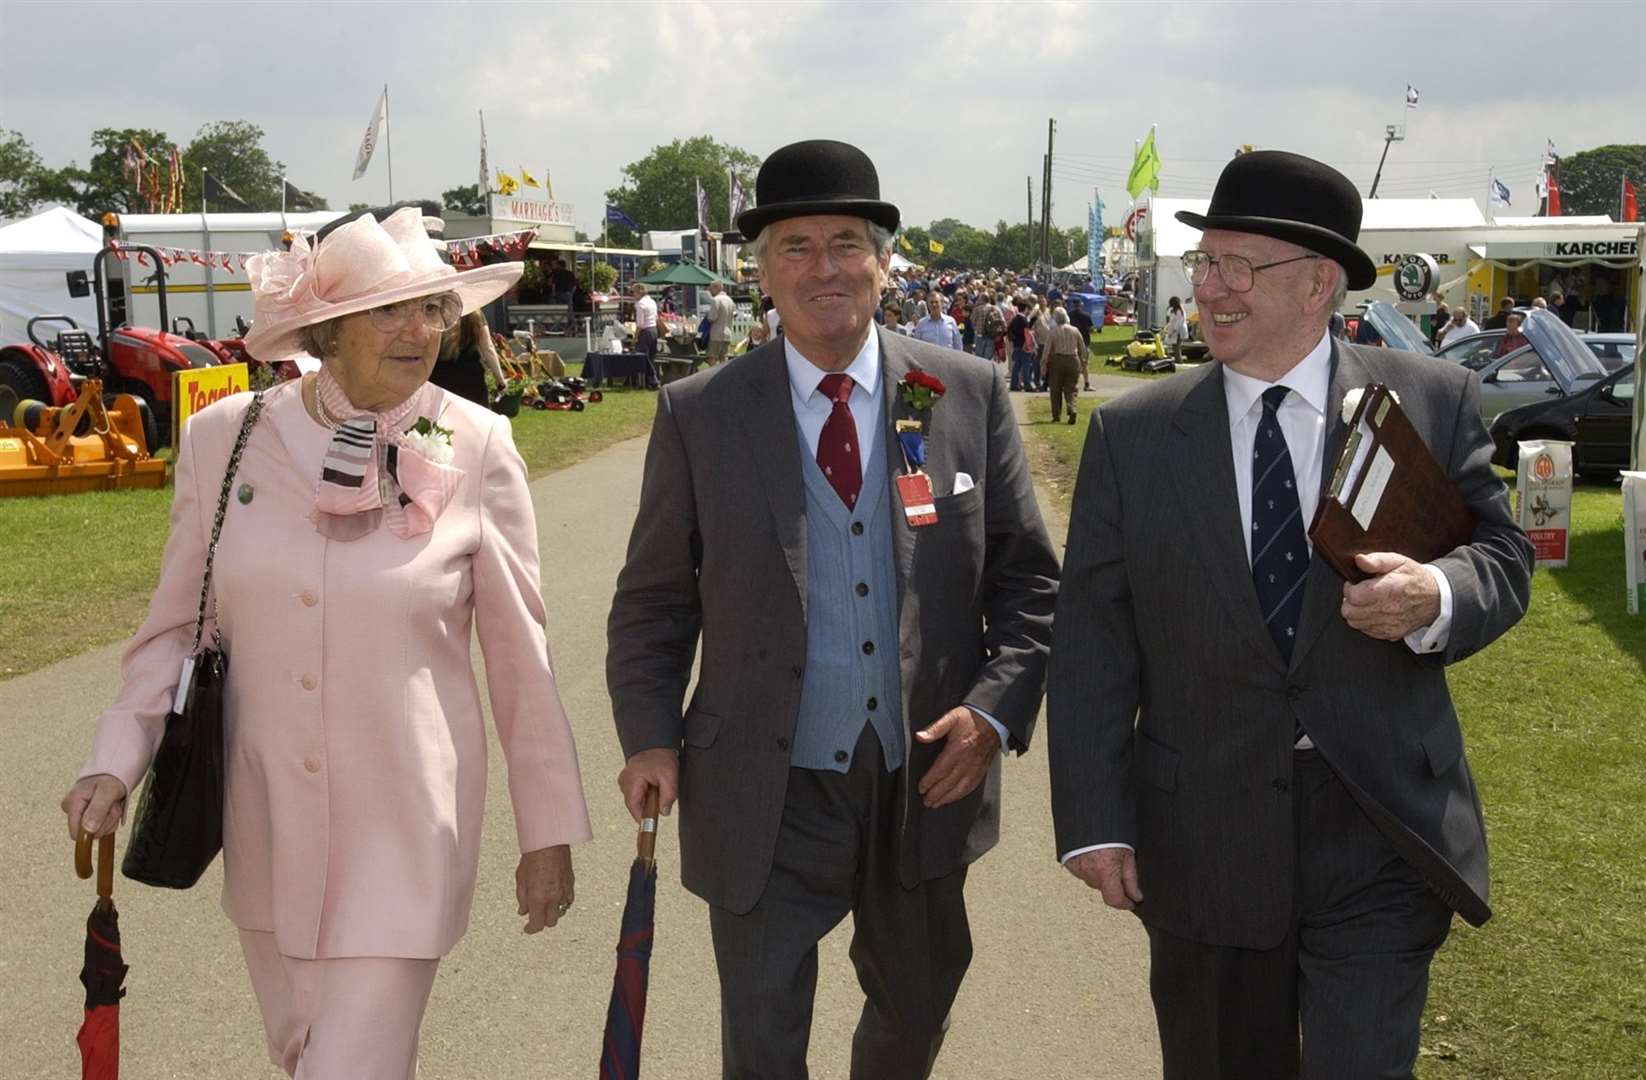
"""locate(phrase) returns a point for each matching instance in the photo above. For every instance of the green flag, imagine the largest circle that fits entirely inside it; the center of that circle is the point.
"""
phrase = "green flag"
(1145, 169)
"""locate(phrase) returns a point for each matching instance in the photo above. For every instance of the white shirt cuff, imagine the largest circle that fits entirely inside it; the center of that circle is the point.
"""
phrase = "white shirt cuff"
(999, 729)
(1432, 638)
(1066, 856)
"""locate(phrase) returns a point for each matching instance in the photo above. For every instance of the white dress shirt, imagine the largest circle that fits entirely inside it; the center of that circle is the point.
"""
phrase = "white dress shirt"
(1303, 421)
(1454, 331)
(645, 313)
(867, 403)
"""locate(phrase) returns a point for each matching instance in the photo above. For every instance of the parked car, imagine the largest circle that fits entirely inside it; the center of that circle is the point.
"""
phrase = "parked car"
(1614, 350)
(1596, 419)
(1553, 362)
(1381, 323)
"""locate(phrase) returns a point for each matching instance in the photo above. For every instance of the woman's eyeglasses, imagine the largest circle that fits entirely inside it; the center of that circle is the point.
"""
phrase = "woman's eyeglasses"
(438, 313)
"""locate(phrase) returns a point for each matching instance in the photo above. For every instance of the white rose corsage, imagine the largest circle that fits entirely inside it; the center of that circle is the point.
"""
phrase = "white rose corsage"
(1351, 402)
(431, 441)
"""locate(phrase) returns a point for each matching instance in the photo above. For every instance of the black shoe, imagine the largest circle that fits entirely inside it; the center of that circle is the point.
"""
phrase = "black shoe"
(1071, 419)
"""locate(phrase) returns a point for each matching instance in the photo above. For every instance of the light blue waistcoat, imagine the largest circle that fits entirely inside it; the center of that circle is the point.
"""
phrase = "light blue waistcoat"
(841, 678)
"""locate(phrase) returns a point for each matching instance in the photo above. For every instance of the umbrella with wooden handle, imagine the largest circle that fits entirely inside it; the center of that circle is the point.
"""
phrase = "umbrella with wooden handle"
(103, 970)
(626, 1015)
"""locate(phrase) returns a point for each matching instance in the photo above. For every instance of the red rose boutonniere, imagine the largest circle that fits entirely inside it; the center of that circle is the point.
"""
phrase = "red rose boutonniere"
(920, 389)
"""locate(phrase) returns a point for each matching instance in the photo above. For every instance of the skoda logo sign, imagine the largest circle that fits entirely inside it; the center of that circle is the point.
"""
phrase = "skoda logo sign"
(1415, 275)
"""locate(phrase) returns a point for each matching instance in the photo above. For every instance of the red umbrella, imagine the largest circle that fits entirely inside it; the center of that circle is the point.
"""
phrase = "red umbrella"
(103, 972)
(626, 1015)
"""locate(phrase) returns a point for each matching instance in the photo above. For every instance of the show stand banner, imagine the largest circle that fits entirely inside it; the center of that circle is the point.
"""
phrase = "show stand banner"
(541, 211)
(192, 389)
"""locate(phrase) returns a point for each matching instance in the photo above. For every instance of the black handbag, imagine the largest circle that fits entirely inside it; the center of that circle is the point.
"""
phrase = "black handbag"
(178, 828)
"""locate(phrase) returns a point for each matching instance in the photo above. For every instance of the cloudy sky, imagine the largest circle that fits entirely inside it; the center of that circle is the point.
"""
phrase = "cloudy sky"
(951, 100)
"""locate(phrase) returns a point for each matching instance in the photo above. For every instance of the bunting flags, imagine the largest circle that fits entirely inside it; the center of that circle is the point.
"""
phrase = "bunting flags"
(937, 248)
(738, 196)
(498, 247)
(230, 261)
(528, 179)
(374, 128)
(1145, 168)
(702, 210)
(1553, 209)
(506, 184)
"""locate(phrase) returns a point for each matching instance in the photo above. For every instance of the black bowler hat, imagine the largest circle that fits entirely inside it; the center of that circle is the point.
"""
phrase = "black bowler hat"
(1292, 198)
(818, 176)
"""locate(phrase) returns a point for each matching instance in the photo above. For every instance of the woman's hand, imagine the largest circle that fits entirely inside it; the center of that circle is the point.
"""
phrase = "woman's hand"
(543, 884)
(96, 804)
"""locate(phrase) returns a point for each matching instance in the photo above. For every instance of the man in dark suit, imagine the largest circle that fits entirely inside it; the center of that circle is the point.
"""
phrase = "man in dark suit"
(1260, 759)
(874, 633)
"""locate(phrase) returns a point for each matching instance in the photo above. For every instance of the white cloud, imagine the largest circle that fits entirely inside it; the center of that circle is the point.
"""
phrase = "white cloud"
(951, 100)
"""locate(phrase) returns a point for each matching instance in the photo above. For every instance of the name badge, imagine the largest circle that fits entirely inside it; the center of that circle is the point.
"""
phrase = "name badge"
(915, 489)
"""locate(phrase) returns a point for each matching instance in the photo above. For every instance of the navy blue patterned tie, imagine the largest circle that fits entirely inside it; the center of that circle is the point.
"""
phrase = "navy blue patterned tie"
(1280, 548)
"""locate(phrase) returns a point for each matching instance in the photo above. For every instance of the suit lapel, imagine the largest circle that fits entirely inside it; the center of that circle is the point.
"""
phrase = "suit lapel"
(1203, 467)
(1323, 595)
(894, 364)
(769, 426)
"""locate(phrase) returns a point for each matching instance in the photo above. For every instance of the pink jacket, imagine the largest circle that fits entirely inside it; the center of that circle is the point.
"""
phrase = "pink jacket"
(356, 749)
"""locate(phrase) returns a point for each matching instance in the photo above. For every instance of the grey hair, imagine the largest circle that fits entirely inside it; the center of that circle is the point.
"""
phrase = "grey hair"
(1060, 316)
(1340, 291)
(320, 340)
(878, 234)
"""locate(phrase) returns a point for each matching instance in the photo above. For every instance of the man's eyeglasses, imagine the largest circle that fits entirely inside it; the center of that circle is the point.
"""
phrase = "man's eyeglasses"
(1237, 271)
(438, 313)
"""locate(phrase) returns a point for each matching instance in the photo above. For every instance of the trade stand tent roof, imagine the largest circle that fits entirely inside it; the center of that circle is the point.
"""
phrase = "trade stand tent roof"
(35, 254)
(900, 263)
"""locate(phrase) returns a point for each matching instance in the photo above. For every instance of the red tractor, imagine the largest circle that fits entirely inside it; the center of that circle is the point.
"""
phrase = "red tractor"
(135, 360)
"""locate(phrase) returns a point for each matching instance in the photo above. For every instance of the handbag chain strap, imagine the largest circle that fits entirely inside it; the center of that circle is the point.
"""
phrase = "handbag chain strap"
(217, 527)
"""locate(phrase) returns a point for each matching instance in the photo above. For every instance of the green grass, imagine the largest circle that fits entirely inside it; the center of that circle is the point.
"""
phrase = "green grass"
(79, 568)
(1554, 987)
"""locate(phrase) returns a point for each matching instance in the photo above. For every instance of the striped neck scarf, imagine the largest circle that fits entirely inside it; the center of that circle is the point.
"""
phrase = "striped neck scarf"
(369, 477)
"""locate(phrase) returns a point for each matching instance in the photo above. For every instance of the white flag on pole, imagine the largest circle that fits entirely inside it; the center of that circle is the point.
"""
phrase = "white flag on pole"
(1500, 192)
(485, 170)
(374, 128)
(1411, 96)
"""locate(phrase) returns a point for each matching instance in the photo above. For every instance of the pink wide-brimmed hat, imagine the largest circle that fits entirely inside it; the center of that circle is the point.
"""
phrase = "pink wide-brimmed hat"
(358, 266)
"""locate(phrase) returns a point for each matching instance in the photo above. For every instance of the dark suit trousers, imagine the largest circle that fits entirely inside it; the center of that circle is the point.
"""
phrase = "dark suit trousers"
(836, 854)
(1353, 970)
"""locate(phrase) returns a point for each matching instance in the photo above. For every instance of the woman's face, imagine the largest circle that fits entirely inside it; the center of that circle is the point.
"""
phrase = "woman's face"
(384, 356)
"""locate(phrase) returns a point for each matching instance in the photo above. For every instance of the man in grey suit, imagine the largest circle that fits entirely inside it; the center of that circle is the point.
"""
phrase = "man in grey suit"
(874, 634)
(1260, 759)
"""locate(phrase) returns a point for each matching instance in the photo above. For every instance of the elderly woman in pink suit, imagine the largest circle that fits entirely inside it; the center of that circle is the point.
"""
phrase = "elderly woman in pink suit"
(376, 521)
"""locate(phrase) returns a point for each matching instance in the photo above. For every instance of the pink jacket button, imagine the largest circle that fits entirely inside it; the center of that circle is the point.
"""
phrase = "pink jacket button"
(312, 764)
(310, 682)
(309, 598)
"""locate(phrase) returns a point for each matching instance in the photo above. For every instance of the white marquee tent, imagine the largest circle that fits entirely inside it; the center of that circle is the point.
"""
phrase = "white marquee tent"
(35, 254)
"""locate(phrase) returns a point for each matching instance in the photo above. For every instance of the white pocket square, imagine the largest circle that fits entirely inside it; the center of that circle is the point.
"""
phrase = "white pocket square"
(962, 483)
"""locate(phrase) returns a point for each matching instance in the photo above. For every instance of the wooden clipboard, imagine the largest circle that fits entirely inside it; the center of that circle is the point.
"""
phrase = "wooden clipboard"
(1387, 493)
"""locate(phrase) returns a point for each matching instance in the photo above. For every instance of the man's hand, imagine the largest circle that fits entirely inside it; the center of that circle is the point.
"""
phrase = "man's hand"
(1402, 597)
(96, 804)
(968, 750)
(658, 768)
(544, 885)
(1112, 872)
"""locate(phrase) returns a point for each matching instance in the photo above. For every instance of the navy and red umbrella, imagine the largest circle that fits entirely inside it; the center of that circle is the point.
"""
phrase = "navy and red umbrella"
(626, 1015)
(103, 971)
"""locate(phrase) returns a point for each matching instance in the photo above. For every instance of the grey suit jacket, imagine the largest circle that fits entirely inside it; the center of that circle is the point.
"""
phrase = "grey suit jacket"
(1170, 710)
(718, 554)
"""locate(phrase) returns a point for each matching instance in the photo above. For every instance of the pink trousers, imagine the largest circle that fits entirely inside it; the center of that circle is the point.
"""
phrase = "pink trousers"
(355, 1018)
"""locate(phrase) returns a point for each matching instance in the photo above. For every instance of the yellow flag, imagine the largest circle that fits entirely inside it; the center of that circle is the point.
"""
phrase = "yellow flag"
(903, 242)
(937, 249)
(528, 179)
(1145, 168)
(506, 184)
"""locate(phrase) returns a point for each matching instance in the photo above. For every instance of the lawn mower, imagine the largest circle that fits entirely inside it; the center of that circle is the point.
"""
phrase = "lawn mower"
(1147, 352)
(92, 444)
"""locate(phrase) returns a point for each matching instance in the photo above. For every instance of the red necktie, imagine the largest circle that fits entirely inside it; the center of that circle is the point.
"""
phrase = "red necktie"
(837, 446)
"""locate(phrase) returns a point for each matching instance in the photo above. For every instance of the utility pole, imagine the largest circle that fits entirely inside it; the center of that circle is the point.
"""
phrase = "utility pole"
(1046, 197)
(1028, 190)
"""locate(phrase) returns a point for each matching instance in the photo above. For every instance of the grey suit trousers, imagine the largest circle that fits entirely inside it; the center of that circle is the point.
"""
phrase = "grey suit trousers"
(1354, 968)
(836, 854)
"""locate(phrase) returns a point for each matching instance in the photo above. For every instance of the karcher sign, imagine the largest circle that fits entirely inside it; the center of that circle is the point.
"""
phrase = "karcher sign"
(1622, 248)
(192, 389)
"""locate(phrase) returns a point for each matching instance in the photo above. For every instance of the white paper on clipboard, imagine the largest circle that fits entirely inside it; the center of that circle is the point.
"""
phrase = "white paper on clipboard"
(1378, 471)
(1363, 449)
